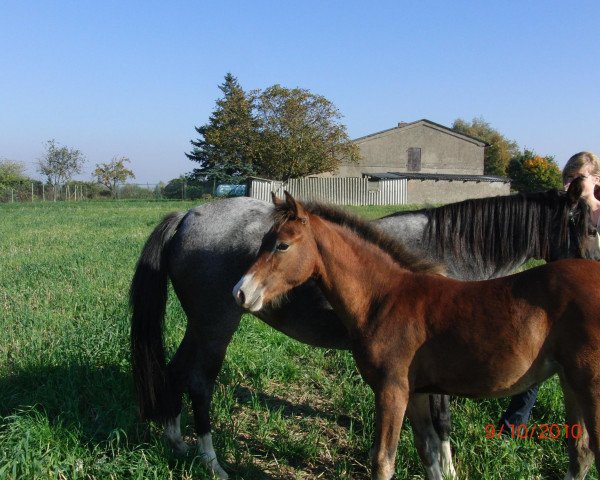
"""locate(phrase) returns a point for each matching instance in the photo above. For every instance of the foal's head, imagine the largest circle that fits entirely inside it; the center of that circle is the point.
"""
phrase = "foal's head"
(291, 252)
(287, 257)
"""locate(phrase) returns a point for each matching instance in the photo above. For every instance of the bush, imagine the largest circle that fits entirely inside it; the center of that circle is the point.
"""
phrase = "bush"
(530, 172)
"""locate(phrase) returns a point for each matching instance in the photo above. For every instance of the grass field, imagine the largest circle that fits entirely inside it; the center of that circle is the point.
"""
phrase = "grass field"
(282, 410)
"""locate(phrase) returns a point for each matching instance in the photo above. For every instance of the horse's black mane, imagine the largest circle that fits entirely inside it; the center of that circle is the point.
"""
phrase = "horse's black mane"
(503, 228)
(366, 231)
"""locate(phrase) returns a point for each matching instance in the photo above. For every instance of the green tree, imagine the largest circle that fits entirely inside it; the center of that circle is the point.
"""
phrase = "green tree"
(59, 164)
(12, 173)
(226, 149)
(530, 172)
(277, 133)
(299, 134)
(499, 150)
(113, 173)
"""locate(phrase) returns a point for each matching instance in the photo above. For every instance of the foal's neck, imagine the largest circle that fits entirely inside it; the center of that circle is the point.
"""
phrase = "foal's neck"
(353, 273)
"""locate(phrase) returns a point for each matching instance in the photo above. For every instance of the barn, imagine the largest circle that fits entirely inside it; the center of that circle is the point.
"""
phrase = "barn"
(413, 163)
(438, 164)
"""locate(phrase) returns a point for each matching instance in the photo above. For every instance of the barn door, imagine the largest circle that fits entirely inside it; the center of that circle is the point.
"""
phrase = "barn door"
(413, 163)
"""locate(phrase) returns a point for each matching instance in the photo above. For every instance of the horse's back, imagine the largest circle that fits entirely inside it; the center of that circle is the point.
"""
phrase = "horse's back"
(215, 243)
(224, 224)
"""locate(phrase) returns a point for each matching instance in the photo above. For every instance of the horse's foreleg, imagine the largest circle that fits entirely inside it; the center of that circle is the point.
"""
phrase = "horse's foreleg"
(440, 416)
(390, 405)
(580, 456)
(427, 442)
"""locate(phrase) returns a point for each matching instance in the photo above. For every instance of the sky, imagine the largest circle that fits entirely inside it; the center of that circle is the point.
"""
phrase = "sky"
(133, 78)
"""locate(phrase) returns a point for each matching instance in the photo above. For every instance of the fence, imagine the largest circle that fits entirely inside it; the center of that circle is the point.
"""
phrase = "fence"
(341, 191)
(32, 192)
(38, 192)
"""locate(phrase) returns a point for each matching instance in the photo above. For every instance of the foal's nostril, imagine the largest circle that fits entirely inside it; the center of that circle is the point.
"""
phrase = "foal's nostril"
(241, 298)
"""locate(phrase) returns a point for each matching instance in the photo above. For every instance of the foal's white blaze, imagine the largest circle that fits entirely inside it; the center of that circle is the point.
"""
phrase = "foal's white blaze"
(446, 459)
(207, 453)
(173, 434)
(248, 293)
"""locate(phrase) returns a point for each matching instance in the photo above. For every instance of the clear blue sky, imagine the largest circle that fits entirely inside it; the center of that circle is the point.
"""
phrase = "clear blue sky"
(134, 78)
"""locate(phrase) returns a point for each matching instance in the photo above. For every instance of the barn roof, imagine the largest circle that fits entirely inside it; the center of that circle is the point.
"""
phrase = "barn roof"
(436, 176)
(428, 123)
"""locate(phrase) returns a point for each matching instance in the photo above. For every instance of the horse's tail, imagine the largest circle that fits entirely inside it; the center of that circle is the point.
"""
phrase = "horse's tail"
(148, 299)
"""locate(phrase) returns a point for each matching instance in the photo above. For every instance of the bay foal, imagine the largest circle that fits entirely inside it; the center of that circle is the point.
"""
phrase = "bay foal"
(418, 333)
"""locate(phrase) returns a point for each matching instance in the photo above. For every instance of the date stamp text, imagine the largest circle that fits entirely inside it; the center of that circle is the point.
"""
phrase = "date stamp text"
(542, 431)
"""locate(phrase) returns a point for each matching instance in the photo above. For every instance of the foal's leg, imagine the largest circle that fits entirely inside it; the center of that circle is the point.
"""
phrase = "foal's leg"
(588, 397)
(580, 456)
(390, 405)
(426, 439)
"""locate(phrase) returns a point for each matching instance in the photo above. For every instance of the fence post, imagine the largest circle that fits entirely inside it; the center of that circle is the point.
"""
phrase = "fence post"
(31, 192)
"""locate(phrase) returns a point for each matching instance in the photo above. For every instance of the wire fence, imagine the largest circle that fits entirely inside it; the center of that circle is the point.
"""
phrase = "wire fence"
(75, 191)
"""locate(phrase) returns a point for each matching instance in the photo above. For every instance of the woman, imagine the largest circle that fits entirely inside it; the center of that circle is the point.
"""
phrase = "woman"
(586, 165)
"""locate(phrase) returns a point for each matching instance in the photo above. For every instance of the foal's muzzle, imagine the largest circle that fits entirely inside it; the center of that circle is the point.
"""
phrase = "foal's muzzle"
(248, 294)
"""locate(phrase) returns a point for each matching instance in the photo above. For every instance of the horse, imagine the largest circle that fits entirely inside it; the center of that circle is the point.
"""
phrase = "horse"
(205, 251)
(414, 332)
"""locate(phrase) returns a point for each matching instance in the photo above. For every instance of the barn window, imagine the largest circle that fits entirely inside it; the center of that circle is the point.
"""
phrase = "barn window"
(413, 163)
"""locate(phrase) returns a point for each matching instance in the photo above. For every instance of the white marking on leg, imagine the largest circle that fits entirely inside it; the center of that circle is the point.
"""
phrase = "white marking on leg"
(569, 476)
(207, 453)
(434, 472)
(446, 458)
(173, 434)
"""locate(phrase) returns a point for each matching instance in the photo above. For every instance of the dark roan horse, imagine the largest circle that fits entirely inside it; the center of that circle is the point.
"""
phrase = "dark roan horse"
(206, 250)
(414, 332)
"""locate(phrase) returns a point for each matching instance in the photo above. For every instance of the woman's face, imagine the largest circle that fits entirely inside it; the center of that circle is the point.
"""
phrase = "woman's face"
(589, 183)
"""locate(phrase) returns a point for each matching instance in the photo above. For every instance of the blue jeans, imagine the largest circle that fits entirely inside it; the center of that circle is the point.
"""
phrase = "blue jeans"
(518, 410)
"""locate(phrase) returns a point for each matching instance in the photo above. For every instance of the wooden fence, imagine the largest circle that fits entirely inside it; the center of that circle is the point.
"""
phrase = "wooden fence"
(340, 191)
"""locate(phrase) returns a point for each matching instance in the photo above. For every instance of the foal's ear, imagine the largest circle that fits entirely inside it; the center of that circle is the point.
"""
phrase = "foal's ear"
(276, 201)
(575, 190)
(295, 208)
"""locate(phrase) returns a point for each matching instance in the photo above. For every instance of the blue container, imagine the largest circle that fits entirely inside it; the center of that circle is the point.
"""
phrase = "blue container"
(231, 190)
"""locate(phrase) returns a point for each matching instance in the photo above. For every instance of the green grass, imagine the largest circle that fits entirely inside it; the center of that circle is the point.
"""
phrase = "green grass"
(282, 410)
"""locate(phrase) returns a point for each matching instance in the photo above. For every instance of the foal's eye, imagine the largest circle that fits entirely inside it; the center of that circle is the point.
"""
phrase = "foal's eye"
(282, 247)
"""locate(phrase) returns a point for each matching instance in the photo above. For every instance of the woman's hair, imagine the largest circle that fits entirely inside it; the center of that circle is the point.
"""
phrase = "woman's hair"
(580, 160)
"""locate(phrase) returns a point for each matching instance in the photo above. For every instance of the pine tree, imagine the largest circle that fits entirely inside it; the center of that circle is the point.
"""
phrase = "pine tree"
(226, 147)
